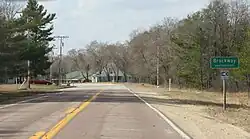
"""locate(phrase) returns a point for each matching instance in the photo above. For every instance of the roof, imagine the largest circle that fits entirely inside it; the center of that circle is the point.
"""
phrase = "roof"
(76, 75)
(103, 74)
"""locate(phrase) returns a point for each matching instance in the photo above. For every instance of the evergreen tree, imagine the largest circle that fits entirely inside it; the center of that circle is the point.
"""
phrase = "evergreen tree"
(12, 41)
(38, 31)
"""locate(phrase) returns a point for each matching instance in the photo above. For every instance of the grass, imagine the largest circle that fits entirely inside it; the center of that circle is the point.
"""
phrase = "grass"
(240, 99)
(238, 112)
(14, 87)
(9, 93)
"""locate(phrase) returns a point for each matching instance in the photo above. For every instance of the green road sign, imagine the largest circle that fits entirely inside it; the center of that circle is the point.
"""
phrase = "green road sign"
(224, 62)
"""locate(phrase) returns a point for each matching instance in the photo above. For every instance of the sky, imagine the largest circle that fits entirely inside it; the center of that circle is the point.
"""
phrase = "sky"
(112, 20)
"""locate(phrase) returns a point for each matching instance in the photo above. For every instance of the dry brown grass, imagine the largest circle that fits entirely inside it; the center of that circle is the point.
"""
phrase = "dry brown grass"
(9, 93)
(238, 112)
(5, 88)
(8, 87)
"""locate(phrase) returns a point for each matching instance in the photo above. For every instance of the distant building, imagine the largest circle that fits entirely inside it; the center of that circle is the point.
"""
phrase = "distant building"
(112, 76)
(76, 76)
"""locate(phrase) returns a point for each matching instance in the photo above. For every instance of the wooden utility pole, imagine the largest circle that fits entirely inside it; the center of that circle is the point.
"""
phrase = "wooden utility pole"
(158, 58)
(201, 61)
(52, 60)
(28, 79)
(157, 70)
(61, 38)
(28, 61)
(169, 84)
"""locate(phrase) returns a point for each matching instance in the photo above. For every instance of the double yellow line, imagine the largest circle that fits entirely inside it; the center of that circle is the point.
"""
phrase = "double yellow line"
(71, 113)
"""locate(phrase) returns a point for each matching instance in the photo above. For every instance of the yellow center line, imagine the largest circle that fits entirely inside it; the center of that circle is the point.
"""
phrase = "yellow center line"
(70, 110)
(70, 115)
(38, 135)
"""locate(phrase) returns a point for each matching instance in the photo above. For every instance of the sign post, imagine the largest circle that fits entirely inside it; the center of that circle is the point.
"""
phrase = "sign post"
(224, 63)
(169, 84)
(224, 77)
(224, 94)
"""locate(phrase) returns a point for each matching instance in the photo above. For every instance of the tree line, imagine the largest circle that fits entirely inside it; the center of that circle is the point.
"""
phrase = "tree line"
(185, 48)
(25, 34)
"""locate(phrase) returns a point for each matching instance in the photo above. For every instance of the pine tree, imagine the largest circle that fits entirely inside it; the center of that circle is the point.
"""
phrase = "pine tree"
(11, 43)
(38, 31)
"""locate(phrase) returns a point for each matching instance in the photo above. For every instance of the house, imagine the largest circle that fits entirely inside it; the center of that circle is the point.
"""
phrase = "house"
(111, 76)
(76, 77)
(110, 73)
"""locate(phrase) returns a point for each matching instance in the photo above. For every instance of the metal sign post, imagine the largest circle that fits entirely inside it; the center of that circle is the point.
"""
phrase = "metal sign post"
(224, 63)
(224, 77)
(224, 94)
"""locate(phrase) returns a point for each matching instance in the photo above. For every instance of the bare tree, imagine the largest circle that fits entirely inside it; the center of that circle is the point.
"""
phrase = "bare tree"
(96, 56)
(9, 9)
(185, 48)
(81, 61)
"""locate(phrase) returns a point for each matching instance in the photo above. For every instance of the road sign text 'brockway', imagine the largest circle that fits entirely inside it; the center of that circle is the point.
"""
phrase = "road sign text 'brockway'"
(224, 62)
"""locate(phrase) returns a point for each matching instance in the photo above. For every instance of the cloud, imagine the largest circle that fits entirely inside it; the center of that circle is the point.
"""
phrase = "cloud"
(140, 5)
(88, 5)
(112, 20)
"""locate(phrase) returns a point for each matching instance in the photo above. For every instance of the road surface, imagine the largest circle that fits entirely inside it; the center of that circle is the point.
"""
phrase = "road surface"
(90, 111)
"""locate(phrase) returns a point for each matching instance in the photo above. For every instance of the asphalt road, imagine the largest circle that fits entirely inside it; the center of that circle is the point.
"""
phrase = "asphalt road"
(90, 111)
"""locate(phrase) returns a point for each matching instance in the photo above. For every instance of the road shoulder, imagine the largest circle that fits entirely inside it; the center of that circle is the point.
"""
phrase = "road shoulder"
(191, 118)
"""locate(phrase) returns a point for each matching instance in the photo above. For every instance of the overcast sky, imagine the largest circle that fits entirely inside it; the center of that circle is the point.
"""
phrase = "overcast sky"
(112, 20)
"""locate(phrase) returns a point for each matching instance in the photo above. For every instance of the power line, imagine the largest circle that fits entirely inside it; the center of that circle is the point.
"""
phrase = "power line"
(61, 38)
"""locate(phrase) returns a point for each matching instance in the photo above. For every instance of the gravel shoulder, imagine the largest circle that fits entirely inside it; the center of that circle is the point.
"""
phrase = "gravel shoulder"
(198, 114)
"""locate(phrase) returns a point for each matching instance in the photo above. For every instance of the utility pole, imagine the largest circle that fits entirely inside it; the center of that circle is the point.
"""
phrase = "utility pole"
(28, 61)
(61, 38)
(50, 69)
(28, 79)
(52, 60)
(157, 66)
(158, 57)
(201, 60)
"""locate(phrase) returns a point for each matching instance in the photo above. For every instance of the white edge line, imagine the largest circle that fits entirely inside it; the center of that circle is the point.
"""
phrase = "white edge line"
(20, 102)
(177, 129)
